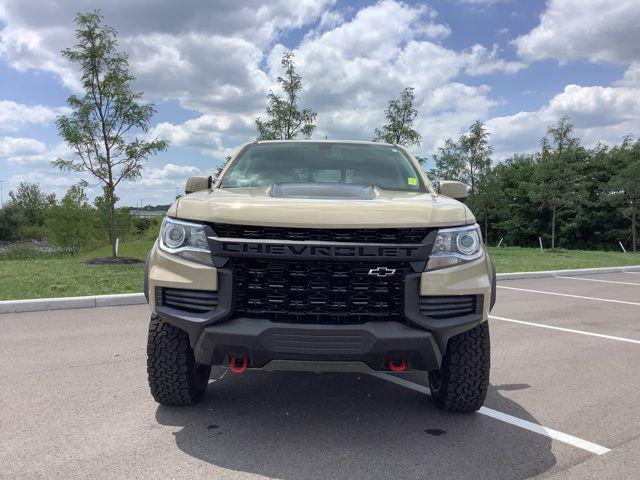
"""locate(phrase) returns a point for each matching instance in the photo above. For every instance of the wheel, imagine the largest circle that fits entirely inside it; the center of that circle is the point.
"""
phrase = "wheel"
(175, 379)
(462, 381)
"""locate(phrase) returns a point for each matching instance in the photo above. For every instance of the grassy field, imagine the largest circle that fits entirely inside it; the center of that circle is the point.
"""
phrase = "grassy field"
(65, 276)
(516, 259)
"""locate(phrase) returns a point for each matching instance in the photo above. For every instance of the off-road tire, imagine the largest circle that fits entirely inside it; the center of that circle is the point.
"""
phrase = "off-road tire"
(175, 379)
(462, 381)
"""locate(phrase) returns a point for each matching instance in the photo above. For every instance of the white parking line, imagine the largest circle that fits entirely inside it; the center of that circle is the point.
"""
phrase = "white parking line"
(572, 296)
(597, 280)
(503, 417)
(633, 273)
(569, 330)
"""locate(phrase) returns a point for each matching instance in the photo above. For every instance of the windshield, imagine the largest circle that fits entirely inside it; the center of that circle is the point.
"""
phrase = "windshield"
(264, 164)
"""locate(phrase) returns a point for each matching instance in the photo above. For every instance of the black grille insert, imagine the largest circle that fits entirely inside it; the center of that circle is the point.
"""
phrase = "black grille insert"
(197, 301)
(360, 235)
(314, 292)
(448, 306)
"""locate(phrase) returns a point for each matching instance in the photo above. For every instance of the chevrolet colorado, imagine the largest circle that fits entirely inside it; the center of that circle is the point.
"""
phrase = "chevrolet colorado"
(320, 256)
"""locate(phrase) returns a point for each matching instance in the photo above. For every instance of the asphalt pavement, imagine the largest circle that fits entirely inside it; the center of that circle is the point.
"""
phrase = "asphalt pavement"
(564, 402)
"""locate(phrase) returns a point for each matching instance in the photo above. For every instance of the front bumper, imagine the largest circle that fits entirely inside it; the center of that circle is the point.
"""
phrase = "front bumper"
(217, 335)
(262, 341)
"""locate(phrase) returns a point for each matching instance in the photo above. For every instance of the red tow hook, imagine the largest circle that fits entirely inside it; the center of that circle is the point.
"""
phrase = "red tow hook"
(238, 368)
(397, 367)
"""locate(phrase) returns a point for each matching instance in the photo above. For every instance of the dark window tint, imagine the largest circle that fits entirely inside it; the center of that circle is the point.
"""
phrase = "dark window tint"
(383, 166)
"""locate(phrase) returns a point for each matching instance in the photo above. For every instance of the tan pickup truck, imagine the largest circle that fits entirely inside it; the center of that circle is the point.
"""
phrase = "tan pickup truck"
(320, 256)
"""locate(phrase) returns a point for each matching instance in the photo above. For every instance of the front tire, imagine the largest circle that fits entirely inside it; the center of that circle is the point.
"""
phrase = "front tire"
(461, 384)
(175, 379)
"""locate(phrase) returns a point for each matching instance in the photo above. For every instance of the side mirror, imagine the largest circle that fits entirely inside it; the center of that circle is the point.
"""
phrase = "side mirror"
(196, 184)
(455, 190)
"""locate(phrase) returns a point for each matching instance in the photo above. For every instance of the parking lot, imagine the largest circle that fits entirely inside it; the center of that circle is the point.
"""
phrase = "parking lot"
(564, 402)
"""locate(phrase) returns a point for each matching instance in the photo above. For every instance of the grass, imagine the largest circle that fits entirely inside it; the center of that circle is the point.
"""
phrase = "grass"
(59, 276)
(516, 259)
(69, 277)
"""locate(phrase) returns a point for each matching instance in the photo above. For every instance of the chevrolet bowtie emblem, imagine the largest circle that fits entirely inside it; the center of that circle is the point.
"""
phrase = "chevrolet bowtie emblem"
(382, 272)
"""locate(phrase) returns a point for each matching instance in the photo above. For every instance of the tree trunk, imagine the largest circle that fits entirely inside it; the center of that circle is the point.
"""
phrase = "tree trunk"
(553, 227)
(112, 222)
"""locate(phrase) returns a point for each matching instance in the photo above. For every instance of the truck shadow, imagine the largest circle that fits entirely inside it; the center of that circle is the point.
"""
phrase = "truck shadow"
(349, 426)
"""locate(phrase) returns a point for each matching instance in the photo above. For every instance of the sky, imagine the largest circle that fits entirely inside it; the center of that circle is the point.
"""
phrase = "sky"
(517, 65)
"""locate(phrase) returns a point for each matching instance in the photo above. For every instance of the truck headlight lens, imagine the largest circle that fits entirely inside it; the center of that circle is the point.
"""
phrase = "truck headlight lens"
(454, 246)
(185, 239)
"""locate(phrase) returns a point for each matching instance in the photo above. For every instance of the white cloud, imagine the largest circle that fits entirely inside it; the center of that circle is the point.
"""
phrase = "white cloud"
(598, 113)
(631, 77)
(205, 132)
(482, 62)
(598, 30)
(14, 116)
(351, 71)
(29, 151)
(205, 54)
(169, 175)
(15, 146)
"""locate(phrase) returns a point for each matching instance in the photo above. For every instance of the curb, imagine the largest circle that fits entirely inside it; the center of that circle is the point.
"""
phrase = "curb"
(573, 272)
(43, 304)
(40, 304)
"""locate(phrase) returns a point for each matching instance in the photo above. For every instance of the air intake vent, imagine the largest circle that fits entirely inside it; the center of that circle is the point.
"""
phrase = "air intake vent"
(197, 301)
(360, 235)
(448, 306)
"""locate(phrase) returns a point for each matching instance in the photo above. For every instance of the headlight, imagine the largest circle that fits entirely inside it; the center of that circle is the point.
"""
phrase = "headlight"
(185, 239)
(454, 246)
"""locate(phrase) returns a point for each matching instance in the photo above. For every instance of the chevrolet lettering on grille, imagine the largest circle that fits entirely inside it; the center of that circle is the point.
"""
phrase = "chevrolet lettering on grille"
(225, 247)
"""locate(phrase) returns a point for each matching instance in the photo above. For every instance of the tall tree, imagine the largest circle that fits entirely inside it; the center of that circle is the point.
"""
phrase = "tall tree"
(466, 159)
(285, 120)
(477, 152)
(100, 128)
(449, 163)
(626, 183)
(556, 182)
(400, 115)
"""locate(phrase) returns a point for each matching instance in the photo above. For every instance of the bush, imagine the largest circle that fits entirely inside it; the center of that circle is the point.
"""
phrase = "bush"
(11, 222)
(69, 223)
(23, 251)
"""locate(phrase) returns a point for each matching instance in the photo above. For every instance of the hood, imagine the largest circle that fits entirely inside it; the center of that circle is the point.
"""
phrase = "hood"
(380, 209)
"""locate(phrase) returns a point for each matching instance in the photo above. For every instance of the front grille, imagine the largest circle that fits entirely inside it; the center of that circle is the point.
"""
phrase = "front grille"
(314, 292)
(448, 306)
(196, 301)
(360, 235)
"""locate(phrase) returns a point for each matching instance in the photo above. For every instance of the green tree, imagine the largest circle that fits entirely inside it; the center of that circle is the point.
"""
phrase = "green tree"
(285, 120)
(11, 222)
(466, 159)
(517, 219)
(476, 153)
(555, 184)
(69, 222)
(400, 115)
(449, 163)
(626, 183)
(31, 204)
(100, 129)
(487, 202)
